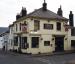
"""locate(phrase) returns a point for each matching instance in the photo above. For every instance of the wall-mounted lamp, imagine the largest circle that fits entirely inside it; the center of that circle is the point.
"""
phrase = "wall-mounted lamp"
(31, 18)
(52, 38)
(41, 38)
(48, 20)
(51, 45)
(65, 38)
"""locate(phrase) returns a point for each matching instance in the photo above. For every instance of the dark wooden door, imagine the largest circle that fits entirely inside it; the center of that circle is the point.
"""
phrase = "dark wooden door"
(59, 43)
(35, 42)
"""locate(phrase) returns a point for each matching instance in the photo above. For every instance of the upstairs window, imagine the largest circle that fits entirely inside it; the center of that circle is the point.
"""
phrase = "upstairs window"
(25, 22)
(48, 26)
(73, 32)
(11, 30)
(36, 25)
(16, 27)
(58, 26)
(20, 26)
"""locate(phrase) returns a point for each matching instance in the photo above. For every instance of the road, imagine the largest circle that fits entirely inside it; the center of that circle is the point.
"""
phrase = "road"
(12, 58)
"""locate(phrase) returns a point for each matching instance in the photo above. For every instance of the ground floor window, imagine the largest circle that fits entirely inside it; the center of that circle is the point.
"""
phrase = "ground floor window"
(35, 42)
(24, 42)
(46, 43)
(15, 41)
(73, 43)
(11, 42)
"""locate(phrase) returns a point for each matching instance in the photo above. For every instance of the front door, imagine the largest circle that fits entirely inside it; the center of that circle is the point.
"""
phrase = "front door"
(35, 42)
(59, 44)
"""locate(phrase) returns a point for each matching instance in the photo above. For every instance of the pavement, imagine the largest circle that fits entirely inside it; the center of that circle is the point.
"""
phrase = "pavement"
(15, 58)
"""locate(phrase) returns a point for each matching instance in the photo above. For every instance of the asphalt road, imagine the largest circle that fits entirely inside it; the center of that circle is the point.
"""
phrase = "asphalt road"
(12, 58)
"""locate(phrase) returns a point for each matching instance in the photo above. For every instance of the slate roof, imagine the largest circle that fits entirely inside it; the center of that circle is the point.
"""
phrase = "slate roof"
(45, 14)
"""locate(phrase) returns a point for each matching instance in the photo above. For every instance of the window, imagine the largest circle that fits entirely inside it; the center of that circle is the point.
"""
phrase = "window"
(15, 41)
(25, 22)
(36, 25)
(20, 26)
(48, 26)
(35, 42)
(24, 43)
(73, 32)
(11, 42)
(73, 43)
(16, 27)
(11, 30)
(46, 43)
(58, 26)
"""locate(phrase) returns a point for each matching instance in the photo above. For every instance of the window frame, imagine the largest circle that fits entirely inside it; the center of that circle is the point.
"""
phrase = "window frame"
(73, 43)
(73, 32)
(48, 26)
(36, 23)
(58, 26)
(46, 43)
(15, 41)
(35, 44)
(24, 43)
(16, 27)
(20, 26)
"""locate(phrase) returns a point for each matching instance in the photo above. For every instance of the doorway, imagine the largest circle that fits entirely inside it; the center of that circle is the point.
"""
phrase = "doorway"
(59, 44)
(35, 42)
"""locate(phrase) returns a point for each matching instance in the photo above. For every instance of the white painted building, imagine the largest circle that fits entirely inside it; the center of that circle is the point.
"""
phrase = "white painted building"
(71, 37)
(11, 38)
(41, 31)
(1, 41)
(2, 29)
(5, 40)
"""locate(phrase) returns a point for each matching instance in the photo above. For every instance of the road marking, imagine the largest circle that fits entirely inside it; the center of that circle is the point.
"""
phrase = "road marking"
(44, 60)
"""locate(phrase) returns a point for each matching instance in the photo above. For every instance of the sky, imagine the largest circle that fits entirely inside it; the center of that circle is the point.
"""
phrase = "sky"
(9, 8)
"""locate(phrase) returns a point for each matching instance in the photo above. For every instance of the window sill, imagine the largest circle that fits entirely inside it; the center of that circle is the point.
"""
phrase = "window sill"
(35, 47)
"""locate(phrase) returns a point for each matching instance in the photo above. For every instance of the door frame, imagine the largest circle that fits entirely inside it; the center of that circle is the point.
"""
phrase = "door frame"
(62, 43)
(34, 41)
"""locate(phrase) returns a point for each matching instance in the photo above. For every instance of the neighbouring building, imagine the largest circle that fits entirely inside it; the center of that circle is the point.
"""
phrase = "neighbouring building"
(1, 41)
(11, 37)
(42, 31)
(5, 40)
(2, 29)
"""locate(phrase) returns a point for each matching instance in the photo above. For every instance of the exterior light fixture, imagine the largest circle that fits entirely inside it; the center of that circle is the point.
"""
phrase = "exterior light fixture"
(65, 38)
(41, 38)
(52, 38)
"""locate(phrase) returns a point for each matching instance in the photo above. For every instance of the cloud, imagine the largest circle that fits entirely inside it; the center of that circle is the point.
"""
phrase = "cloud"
(9, 8)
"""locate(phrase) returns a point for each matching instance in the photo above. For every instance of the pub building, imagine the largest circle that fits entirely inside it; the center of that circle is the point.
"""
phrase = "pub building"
(42, 31)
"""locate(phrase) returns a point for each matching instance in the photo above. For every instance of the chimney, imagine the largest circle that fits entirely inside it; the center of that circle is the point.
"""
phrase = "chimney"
(71, 21)
(44, 6)
(24, 12)
(18, 16)
(60, 12)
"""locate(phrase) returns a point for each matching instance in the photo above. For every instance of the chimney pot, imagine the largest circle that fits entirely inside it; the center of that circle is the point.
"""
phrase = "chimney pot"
(71, 21)
(60, 12)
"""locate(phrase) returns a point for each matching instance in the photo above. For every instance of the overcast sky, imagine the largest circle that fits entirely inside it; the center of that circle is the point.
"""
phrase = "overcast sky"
(9, 8)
